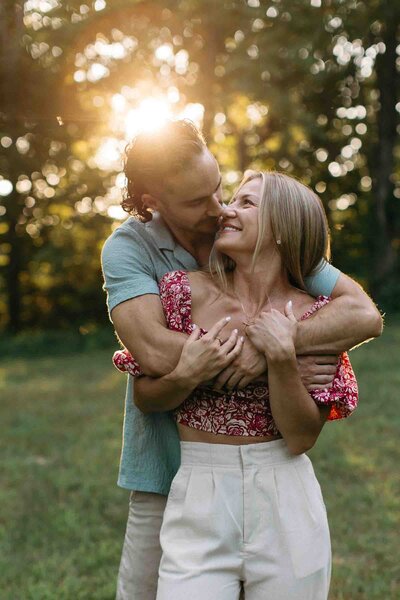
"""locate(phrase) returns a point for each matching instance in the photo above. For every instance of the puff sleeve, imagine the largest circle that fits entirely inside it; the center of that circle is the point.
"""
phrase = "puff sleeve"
(342, 396)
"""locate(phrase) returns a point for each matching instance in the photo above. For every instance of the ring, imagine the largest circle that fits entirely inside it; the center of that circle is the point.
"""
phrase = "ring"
(220, 341)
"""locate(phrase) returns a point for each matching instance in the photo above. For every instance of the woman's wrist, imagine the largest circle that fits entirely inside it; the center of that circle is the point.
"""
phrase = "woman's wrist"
(182, 379)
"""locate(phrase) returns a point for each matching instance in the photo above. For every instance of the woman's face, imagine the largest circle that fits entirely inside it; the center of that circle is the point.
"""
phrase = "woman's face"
(239, 224)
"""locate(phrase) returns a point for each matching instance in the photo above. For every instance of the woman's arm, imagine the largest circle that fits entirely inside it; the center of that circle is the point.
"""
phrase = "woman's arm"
(295, 413)
(201, 360)
(297, 416)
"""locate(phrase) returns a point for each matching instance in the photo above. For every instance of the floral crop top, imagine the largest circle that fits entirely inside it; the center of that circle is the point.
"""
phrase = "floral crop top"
(244, 412)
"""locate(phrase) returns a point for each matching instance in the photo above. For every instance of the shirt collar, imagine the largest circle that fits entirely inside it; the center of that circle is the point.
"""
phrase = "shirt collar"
(165, 241)
(162, 235)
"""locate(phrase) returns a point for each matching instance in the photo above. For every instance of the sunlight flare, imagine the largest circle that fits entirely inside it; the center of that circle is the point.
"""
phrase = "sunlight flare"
(151, 114)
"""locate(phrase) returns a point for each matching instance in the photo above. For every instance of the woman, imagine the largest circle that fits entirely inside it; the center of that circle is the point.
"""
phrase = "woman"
(245, 505)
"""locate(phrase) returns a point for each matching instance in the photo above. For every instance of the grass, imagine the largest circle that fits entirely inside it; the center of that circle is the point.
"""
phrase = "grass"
(62, 518)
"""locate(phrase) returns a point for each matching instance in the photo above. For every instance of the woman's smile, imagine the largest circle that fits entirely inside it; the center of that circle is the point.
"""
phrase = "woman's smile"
(228, 228)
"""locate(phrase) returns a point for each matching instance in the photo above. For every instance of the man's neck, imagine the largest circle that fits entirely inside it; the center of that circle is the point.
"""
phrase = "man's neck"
(198, 245)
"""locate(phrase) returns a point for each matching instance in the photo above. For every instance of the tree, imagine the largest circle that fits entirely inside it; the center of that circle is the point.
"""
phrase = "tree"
(304, 86)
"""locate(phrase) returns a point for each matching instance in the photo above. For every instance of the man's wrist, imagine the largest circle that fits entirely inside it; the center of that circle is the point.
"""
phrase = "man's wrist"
(301, 342)
(284, 355)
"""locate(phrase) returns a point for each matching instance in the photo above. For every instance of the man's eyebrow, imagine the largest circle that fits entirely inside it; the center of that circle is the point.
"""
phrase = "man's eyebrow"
(203, 197)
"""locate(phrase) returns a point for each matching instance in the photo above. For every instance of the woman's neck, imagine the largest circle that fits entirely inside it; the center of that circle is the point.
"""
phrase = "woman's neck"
(267, 281)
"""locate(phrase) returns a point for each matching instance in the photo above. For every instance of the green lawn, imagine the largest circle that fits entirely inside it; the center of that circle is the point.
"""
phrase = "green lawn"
(62, 518)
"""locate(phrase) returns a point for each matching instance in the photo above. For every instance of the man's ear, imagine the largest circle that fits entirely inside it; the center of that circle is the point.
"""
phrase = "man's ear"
(149, 202)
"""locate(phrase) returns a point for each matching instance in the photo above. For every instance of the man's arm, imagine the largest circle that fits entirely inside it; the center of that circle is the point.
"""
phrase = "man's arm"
(201, 359)
(134, 304)
(141, 327)
(348, 320)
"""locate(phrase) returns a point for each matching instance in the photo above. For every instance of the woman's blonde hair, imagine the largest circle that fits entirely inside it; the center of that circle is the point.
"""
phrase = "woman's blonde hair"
(298, 222)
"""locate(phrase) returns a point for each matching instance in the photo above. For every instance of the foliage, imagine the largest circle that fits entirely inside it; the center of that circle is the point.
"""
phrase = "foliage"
(47, 342)
(306, 86)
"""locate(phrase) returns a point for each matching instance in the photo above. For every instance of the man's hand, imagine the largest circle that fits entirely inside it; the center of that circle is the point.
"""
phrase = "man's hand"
(317, 372)
(248, 366)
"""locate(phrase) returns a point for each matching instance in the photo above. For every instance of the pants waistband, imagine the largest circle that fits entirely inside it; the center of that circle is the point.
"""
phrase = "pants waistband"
(227, 455)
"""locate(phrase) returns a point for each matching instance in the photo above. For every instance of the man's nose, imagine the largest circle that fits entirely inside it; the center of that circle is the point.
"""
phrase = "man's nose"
(215, 207)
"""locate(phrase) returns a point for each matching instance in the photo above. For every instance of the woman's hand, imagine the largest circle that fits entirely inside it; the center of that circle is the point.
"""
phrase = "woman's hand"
(274, 333)
(203, 358)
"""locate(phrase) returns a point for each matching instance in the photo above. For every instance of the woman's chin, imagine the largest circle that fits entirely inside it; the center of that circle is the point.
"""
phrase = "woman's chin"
(225, 240)
(228, 248)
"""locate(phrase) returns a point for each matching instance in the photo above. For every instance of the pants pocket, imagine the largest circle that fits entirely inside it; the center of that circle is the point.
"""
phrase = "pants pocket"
(189, 530)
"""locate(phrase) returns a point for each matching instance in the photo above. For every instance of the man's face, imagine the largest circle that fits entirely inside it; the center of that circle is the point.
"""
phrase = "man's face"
(192, 199)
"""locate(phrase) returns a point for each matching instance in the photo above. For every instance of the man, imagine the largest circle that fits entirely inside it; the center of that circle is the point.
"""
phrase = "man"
(174, 186)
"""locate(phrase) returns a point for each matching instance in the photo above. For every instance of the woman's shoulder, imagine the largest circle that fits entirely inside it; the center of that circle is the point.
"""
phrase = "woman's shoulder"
(201, 285)
(199, 279)
(194, 285)
(305, 305)
(301, 302)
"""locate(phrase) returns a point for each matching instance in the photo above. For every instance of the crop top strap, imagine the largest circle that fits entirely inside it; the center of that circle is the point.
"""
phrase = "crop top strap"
(176, 298)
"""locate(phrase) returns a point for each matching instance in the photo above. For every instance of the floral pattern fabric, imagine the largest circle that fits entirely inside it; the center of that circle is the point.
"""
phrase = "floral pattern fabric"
(244, 412)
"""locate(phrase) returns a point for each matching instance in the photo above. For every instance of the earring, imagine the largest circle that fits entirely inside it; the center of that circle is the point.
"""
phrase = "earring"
(278, 242)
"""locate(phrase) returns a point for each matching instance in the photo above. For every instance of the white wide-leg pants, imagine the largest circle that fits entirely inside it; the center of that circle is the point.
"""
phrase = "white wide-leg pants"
(251, 513)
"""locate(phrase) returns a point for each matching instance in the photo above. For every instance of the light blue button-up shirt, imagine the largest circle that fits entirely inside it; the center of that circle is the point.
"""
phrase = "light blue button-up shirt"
(134, 259)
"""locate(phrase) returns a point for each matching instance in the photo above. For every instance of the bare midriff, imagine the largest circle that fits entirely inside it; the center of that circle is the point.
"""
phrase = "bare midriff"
(189, 434)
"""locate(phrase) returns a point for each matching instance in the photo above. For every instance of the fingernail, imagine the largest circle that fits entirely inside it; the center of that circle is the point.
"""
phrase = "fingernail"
(228, 318)
(194, 326)
(235, 331)
(290, 304)
(242, 338)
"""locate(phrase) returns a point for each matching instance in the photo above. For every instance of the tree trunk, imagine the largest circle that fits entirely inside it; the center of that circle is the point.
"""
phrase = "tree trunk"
(206, 91)
(384, 227)
(11, 28)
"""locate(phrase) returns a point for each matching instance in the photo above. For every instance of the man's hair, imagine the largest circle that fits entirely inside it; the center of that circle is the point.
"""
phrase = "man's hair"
(152, 156)
(296, 217)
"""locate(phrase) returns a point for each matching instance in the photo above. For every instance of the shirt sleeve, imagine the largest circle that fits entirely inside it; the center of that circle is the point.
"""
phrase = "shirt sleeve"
(322, 282)
(128, 270)
(342, 397)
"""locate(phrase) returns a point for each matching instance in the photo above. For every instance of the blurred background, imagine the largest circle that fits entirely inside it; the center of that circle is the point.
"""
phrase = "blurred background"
(309, 87)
